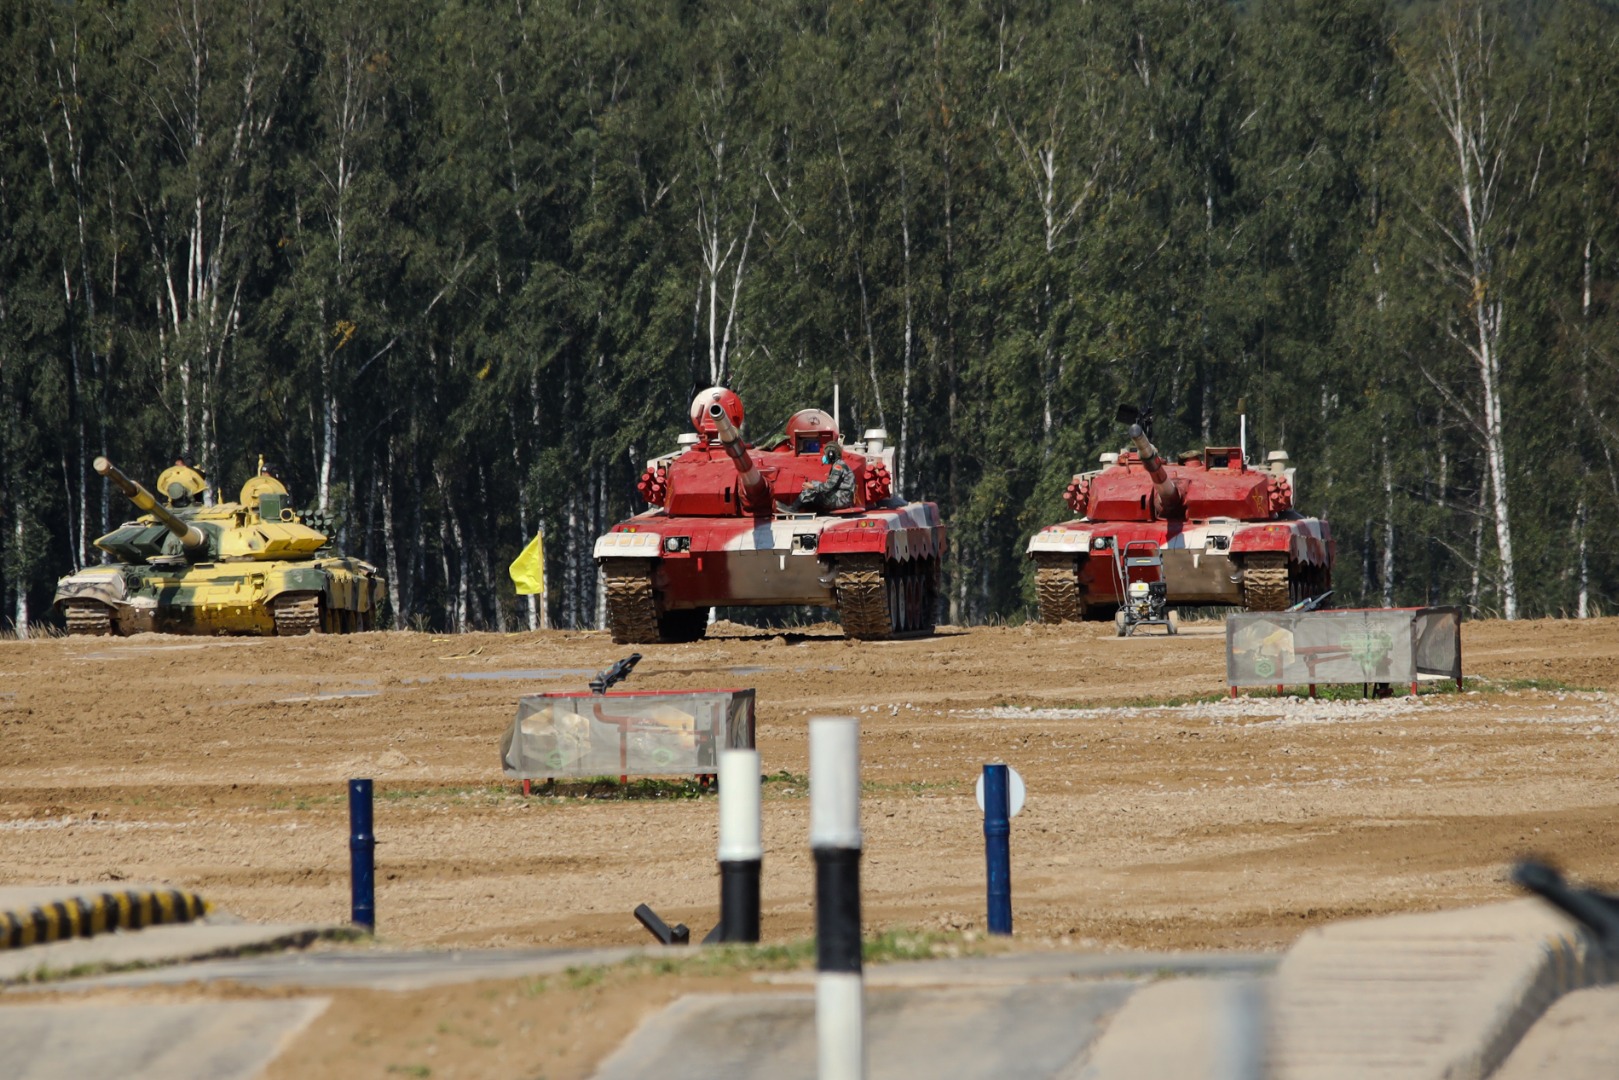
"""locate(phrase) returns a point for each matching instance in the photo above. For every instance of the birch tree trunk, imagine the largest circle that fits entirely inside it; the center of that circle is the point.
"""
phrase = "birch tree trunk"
(1460, 86)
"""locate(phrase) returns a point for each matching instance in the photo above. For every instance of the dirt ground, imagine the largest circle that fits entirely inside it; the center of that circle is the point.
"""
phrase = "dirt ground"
(219, 765)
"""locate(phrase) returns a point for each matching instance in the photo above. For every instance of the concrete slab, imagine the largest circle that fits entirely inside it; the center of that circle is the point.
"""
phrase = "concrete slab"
(1577, 1039)
(1414, 997)
(226, 1040)
(366, 968)
(154, 945)
(1183, 1029)
(1018, 969)
(975, 1033)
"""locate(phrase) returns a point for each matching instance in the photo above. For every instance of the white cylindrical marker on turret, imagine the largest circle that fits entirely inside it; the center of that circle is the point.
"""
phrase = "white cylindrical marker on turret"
(741, 850)
(840, 1008)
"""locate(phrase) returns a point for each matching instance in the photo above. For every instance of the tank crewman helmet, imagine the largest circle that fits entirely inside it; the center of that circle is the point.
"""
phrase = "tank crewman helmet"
(833, 452)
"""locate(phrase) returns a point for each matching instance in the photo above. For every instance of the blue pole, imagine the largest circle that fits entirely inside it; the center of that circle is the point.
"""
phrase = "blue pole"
(998, 847)
(362, 849)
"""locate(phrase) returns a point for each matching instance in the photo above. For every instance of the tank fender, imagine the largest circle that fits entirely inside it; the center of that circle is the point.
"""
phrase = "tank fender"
(103, 583)
(629, 545)
(862, 536)
(1060, 539)
(298, 579)
(1297, 543)
(908, 534)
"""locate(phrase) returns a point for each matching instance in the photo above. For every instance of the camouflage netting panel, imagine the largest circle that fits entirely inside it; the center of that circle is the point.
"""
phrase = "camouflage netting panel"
(626, 733)
(1374, 646)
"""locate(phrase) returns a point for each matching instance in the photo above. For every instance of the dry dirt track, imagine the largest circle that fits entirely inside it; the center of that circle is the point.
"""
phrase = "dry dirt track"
(218, 765)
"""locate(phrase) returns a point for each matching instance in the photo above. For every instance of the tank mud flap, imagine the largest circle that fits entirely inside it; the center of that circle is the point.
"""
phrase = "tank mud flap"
(1056, 582)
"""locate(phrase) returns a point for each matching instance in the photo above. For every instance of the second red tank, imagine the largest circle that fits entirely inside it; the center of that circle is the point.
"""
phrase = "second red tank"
(1228, 534)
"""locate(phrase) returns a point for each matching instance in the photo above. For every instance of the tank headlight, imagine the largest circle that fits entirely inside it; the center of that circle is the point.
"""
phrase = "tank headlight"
(673, 544)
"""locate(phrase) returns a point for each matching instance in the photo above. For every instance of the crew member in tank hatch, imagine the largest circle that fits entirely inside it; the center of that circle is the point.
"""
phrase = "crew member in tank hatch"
(835, 492)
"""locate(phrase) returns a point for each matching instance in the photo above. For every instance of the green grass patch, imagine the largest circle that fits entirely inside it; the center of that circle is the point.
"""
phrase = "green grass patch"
(913, 787)
(890, 946)
(487, 792)
(634, 790)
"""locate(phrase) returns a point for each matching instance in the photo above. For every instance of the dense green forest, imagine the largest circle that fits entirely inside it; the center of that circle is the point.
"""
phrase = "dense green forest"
(457, 268)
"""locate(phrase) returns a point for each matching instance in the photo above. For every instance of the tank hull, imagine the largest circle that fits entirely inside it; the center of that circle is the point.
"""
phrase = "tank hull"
(878, 567)
(1259, 565)
(332, 595)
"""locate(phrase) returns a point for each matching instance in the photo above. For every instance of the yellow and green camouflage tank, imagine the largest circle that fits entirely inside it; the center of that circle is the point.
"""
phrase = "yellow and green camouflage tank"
(254, 566)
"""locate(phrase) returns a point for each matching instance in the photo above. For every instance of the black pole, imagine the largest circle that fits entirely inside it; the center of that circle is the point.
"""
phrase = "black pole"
(739, 900)
(741, 850)
(362, 851)
(837, 909)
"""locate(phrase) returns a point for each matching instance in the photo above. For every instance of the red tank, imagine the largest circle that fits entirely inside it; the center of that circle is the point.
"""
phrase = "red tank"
(722, 531)
(1228, 533)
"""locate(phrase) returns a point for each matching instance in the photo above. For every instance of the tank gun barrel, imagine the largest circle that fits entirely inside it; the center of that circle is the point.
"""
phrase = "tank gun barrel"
(1169, 496)
(190, 536)
(754, 488)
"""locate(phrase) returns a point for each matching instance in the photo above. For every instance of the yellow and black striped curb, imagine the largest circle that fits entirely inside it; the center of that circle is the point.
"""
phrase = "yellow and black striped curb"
(86, 916)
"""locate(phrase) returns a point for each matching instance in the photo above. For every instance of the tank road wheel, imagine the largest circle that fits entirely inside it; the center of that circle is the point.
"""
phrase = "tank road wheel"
(89, 618)
(297, 614)
(1056, 584)
(1265, 581)
(863, 598)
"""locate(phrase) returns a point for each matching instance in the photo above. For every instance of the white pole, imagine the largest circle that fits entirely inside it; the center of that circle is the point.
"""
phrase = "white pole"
(840, 1010)
(1244, 438)
(741, 849)
(837, 413)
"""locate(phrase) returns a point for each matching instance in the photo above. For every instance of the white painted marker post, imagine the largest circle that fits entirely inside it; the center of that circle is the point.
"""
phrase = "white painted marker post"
(741, 845)
(840, 1005)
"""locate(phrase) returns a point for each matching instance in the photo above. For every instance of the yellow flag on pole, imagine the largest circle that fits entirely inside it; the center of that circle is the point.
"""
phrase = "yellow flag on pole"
(528, 569)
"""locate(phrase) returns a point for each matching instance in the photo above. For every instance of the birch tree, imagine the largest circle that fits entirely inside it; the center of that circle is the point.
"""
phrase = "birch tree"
(1481, 174)
(205, 80)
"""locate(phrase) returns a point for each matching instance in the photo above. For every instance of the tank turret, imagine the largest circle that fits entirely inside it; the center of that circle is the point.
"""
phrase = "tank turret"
(193, 539)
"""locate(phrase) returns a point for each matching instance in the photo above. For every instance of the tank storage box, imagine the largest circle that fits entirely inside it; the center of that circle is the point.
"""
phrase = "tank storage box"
(1376, 645)
(626, 733)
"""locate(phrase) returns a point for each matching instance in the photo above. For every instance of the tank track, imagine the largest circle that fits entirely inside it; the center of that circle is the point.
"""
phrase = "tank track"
(863, 598)
(87, 618)
(1264, 582)
(632, 609)
(1056, 583)
(296, 615)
